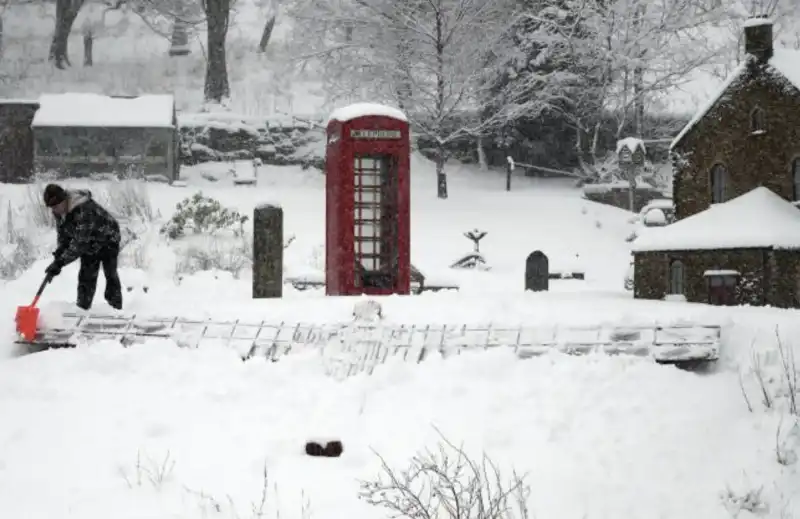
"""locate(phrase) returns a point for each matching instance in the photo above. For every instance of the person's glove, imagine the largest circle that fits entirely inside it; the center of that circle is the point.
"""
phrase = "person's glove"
(53, 269)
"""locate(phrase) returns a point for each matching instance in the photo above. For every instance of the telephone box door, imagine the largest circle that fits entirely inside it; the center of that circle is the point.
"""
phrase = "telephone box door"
(375, 218)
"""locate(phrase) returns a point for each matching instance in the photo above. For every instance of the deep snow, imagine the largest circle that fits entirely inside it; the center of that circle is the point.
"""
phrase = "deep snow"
(598, 436)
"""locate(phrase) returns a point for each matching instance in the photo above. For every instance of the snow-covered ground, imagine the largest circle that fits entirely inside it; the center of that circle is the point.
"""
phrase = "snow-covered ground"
(159, 431)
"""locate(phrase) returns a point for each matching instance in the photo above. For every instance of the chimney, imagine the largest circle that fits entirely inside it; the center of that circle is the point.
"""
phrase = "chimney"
(758, 38)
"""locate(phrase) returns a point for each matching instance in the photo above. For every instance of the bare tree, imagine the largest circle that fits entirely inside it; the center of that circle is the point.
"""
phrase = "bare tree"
(425, 56)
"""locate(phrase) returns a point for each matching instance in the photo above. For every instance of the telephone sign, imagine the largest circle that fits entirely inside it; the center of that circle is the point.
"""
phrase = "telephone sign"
(376, 134)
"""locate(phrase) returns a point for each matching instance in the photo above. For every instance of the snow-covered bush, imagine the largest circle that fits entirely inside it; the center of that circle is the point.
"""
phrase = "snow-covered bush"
(773, 377)
(751, 501)
(214, 253)
(21, 231)
(128, 200)
(748, 289)
(445, 482)
(37, 214)
(17, 255)
(204, 215)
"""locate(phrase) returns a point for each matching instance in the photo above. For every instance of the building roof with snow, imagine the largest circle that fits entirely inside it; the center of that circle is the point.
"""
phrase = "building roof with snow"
(757, 219)
(100, 111)
(784, 63)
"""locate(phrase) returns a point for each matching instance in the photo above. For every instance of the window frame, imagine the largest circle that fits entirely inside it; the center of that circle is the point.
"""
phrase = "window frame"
(758, 121)
(719, 172)
(676, 277)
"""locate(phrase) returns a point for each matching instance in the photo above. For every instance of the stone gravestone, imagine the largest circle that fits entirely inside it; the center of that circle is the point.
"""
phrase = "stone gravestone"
(267, 251)
(537, 272)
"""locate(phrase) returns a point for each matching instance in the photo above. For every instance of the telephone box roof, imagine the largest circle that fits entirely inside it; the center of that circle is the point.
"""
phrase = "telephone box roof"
(354, 111)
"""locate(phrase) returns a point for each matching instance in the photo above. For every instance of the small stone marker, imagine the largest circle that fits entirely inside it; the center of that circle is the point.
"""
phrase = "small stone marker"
(537, 272)
(267, 251)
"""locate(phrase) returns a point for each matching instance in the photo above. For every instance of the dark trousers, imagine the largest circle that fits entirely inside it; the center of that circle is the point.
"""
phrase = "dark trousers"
(87, 279)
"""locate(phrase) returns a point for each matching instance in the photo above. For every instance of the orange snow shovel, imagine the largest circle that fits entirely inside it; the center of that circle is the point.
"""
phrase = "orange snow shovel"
(28, 316)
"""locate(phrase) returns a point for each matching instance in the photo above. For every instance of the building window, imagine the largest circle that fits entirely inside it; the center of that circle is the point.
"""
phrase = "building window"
(758, 121)
(719, 184)
(796, 179)
(677, 276)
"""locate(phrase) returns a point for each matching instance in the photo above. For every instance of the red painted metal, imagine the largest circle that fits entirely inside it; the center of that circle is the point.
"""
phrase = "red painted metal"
(367, 202)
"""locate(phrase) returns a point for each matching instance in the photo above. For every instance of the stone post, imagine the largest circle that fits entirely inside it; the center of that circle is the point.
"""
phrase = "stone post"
(267, 251)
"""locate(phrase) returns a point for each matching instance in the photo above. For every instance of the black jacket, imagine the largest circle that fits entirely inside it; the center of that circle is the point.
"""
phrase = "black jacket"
(86, 230)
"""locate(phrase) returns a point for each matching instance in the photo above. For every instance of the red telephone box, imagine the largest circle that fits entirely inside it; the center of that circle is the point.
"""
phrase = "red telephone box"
(367, 201)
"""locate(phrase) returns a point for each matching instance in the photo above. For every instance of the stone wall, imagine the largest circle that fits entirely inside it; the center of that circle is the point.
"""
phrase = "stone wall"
(723, 136)
(651, 273)
(219, 137)
(784, 285)
(619, 196)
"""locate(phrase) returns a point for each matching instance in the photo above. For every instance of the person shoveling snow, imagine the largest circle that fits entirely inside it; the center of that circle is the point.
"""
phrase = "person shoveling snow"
(88, 232)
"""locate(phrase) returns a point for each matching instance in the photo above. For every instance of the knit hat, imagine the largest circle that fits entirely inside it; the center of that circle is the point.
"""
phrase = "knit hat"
(54, 195)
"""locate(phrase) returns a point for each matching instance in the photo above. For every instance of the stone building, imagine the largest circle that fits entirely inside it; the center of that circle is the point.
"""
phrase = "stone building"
(745, 251)
(736, 239)
(746, 136)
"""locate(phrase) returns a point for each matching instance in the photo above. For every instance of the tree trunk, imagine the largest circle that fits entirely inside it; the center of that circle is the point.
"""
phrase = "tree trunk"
(441, 177)
(66, 12)
(267, 34)
(484, 164)
(638, 78)
(217, 87)
(88, 40)
(638, 102)
(404, 84)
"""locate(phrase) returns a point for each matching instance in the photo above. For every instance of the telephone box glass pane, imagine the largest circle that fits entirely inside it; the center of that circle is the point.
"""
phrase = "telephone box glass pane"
(375, 214)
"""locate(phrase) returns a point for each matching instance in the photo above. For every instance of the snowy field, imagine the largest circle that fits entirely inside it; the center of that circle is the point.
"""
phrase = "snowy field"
(158, 431)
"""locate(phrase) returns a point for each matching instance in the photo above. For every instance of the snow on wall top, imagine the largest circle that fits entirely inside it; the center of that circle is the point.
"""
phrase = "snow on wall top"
(759, 218)
(757, 21)
(95, 110)
(18, 101)
(784, 61)
(631, 143)
(354, 111)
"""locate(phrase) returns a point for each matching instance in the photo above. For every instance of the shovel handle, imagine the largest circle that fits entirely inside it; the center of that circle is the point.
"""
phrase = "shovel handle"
(47, 279)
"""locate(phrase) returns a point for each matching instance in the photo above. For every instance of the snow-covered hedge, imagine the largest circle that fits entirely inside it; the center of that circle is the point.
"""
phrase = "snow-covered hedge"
(220, 136)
